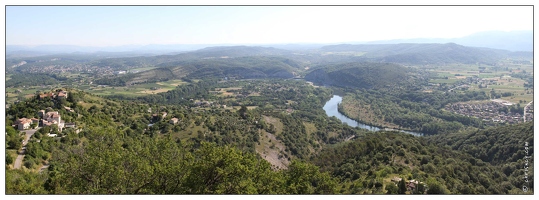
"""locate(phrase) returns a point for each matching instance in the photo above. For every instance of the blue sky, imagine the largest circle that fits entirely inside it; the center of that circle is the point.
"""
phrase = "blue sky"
(141, 25)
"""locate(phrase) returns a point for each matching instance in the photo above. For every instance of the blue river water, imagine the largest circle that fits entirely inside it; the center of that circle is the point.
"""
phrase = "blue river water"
(331, 108)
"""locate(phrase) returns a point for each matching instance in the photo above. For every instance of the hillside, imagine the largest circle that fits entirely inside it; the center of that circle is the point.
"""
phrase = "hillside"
(496, 145)
(241, 68)
(365, 75)
(373, 160)
(411, 53)
(206, 53)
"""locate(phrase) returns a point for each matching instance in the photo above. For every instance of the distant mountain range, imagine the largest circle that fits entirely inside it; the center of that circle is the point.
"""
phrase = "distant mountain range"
(511, 41)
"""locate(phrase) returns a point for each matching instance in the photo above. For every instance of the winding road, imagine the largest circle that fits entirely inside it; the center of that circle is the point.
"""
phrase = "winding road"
(20, 157)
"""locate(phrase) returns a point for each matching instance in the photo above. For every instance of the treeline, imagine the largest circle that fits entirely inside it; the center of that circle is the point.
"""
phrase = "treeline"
(29, 79)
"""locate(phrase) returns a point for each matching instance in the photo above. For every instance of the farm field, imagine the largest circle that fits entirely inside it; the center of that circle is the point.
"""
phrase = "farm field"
(136, 90)
(500, 76)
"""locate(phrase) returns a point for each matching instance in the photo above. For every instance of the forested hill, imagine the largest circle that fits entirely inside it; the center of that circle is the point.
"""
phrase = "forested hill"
(422, 53)
(241, 68)
(496, 145)
(366, 75)
(491, 161)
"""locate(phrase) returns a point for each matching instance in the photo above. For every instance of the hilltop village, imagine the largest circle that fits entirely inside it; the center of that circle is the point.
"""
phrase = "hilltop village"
(46, 118)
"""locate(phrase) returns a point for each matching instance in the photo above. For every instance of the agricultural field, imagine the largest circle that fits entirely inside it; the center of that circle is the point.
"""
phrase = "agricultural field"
(499, 76)
(134, 91)
(13, 94)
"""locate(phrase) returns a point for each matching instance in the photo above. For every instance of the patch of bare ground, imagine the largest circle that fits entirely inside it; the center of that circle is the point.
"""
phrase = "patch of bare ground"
(272, 150)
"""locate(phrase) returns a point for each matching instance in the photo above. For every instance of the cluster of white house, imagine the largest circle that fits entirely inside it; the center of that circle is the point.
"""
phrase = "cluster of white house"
(47, 119)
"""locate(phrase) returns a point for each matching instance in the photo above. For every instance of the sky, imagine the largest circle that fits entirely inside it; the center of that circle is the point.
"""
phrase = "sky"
(103, 26)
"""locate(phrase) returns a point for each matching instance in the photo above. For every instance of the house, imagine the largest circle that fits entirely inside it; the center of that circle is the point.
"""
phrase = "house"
(51, 118)
(412, 185)
(69, 125)
(62, 94)
(173, 120)
(50, 95)
(23, 123)
(35, 121)
(396, 179)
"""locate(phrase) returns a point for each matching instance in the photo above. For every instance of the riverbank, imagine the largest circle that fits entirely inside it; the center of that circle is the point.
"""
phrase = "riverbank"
(352, 109)
(334, 107)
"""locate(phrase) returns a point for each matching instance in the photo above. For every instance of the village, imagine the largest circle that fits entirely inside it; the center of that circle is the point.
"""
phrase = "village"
(490, 112)
(46, 118)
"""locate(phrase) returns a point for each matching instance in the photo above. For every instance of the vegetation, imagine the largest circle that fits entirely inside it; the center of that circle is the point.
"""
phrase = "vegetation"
(378, 157)
(239, 120)
(18, 80)
(379, 76)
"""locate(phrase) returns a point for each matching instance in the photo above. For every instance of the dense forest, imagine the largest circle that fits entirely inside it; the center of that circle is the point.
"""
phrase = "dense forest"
(379, 76)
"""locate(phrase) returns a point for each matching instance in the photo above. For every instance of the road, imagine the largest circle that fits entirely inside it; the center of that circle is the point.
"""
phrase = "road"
(455, 88)
(20, 157)
(526, 108)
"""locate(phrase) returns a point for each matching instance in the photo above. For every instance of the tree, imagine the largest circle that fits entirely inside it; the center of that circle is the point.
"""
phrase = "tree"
(435, 187)
(242, 111)
(392, 189)
(402, 186)
(9, 159)
(305, 178)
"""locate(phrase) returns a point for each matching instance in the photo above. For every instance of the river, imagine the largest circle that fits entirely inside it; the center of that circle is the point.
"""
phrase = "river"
(331, 108)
